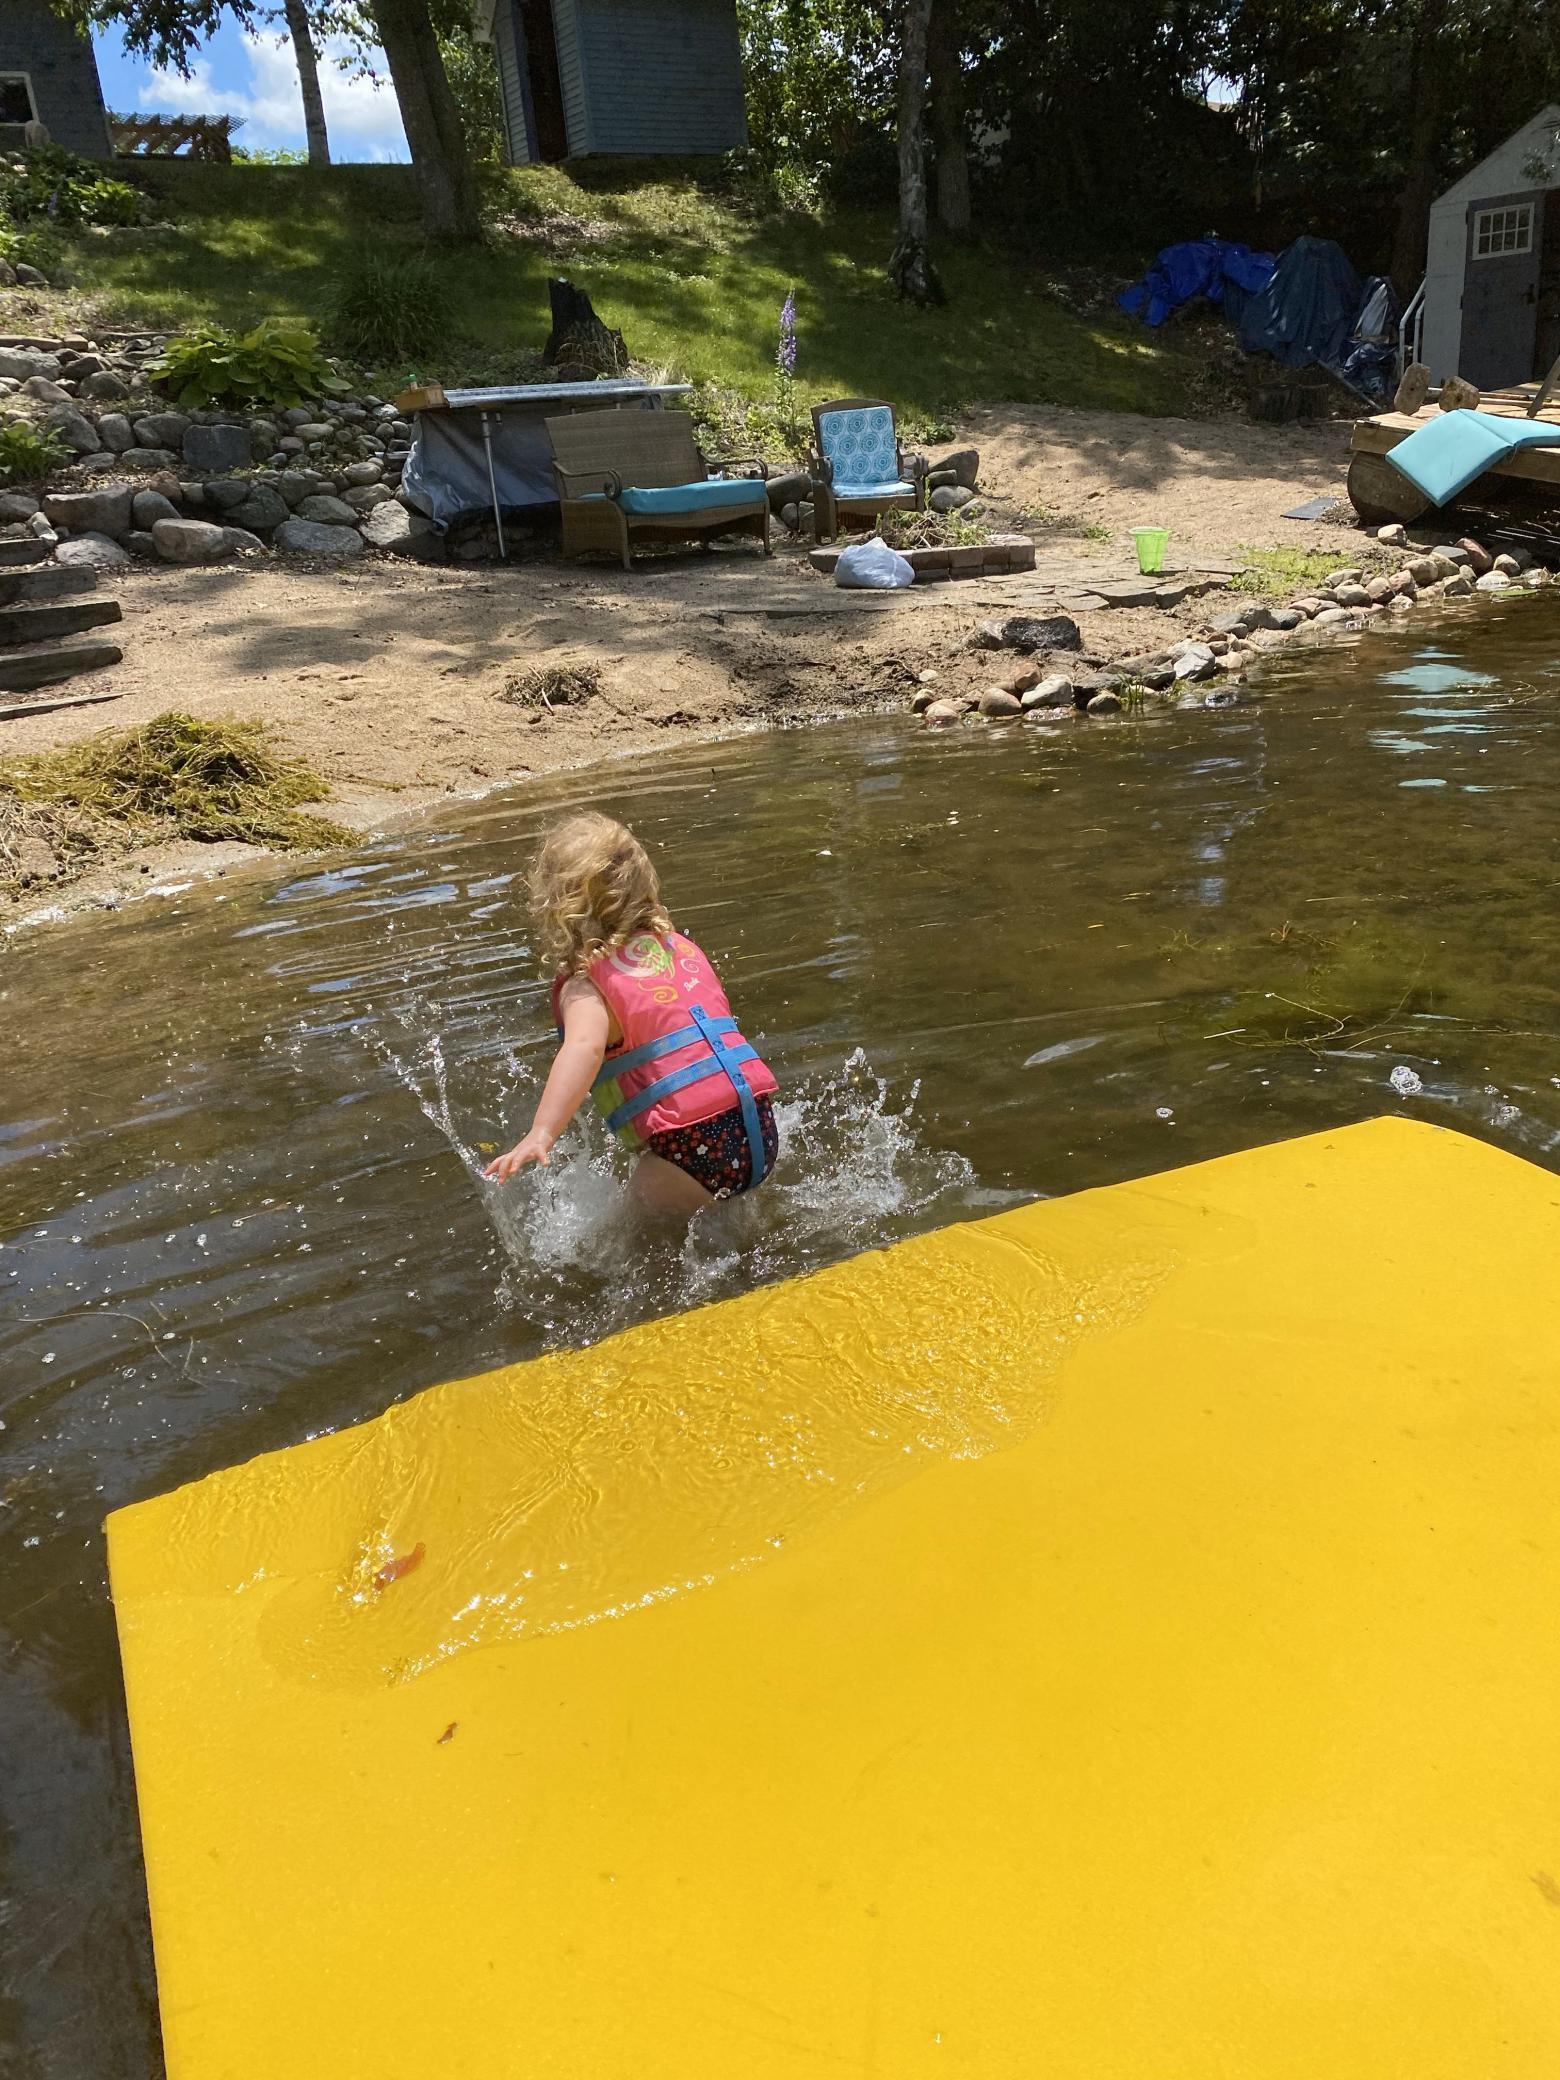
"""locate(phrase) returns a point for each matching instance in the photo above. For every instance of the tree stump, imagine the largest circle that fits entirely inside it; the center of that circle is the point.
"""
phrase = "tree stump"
(579, 335)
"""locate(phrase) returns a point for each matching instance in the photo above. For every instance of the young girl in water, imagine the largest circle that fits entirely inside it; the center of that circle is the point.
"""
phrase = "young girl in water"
(644, 1026)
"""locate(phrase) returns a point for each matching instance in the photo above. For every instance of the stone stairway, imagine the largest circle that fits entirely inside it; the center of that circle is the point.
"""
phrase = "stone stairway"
(43, 605)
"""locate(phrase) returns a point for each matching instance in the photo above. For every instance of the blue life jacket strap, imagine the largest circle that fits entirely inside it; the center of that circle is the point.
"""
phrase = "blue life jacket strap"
(694, 1072)
(729, 1058)
(651, 1050)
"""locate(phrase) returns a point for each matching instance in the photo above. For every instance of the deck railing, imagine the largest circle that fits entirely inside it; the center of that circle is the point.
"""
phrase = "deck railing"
(1411, 330)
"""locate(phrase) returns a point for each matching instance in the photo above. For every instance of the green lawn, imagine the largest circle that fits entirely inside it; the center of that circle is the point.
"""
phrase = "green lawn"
(694, 284)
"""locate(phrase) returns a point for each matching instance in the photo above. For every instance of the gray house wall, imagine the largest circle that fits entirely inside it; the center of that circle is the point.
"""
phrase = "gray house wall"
(571, 77)
(63, 71)
(659, 76)
(511, 85)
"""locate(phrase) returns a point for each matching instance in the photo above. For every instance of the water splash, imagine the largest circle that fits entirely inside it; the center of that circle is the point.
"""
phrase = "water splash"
(581, 1260)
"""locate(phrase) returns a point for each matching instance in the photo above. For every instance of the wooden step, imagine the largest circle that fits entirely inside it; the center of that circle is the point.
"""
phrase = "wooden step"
(41, 581)
(47, 662)
(24, 550)
(48, 622)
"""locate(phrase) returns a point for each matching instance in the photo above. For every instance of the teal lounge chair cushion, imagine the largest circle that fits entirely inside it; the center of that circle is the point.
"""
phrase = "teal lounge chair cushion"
(715, 495)
(1443, 457)
(896, 489)
(859, 448)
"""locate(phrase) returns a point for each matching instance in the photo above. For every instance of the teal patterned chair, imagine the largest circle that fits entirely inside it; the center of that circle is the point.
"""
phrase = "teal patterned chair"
(857, 468)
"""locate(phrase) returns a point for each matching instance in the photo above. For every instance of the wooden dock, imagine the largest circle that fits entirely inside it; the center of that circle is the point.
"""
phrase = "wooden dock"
(1379, 492)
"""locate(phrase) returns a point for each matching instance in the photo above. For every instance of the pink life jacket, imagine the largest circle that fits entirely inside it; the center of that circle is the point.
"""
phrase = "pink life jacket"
(682, 1058)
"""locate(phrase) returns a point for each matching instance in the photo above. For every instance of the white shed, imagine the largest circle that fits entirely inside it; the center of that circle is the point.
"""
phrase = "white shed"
(1492, 275)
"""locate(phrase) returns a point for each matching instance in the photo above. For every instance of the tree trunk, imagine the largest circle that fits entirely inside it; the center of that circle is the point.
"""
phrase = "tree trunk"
(953, 158)
(308, 82)
(910, 264)
(1429, 78)
(431, 119)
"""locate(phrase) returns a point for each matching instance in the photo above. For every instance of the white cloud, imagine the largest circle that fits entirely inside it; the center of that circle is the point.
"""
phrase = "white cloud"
(360, 114)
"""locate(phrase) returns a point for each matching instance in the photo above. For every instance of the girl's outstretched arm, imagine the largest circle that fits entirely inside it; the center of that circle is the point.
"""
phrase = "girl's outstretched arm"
(575, 1068)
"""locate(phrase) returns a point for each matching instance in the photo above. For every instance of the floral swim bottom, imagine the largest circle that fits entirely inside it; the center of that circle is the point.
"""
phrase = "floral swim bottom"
(715, 1153)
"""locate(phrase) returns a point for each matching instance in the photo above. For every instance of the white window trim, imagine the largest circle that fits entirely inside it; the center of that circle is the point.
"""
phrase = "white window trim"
(8, 75)
(1484, 222)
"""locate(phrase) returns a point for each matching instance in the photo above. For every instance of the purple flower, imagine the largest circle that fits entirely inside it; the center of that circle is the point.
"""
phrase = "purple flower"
(785, 356)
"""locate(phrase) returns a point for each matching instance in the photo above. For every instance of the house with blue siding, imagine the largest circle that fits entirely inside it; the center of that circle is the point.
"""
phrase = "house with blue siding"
(641, 77)
(49, 75)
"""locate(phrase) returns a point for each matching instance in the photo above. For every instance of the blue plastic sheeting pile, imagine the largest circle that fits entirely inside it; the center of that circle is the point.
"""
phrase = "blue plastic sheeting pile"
(1306, 306)
(1219, 269)
(1307, 309)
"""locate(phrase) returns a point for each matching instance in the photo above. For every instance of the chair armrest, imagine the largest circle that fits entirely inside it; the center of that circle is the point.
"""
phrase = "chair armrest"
(820, 467)
(606, 481)
(746, 462)
(918, 465)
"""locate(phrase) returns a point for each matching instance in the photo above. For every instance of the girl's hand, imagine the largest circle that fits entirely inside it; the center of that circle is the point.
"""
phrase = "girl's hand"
(535, 1148)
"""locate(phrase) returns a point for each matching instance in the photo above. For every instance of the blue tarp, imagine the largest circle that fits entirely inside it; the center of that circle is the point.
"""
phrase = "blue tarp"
(1216, 268)
(1307, 309)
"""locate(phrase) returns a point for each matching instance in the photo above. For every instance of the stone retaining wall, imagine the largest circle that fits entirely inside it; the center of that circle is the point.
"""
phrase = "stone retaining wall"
(147, 479)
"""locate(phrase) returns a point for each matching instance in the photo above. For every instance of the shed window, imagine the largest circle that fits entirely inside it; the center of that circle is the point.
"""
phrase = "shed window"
(16, 102)
(1497, 232)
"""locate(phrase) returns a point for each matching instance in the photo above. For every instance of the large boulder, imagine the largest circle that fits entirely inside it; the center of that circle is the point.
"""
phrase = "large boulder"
(148, 458)
(74, 429)
(328, 510)
(218, 447)
(43, 390)
(116, 432)
(314, 538)
(363, 498)
(191, 541)
(95, 552)
(162, 430)
(366, 472)
(399, 533)
(22, 362)
(1040, 632)
(223, 492)
(239, 538)
(148, 507)
(104, 511)
(16, 505)
(105, 387)
(964, 463)
(260, 511)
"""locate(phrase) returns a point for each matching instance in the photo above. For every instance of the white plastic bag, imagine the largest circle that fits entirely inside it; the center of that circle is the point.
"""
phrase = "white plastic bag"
(874, 565)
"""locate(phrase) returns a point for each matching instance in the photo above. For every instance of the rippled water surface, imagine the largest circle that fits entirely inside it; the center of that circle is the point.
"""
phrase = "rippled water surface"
(241, 1129)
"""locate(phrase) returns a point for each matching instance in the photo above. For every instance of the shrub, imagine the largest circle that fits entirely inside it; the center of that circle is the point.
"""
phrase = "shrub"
(387, 308)
(56, 184)
(28, 452)
(278, 363)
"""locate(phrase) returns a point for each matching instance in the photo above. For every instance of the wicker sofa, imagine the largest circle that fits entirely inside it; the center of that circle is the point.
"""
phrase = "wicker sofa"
(627, 476)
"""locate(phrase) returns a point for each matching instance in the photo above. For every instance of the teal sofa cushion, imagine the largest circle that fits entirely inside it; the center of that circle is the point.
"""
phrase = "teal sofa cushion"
(712, 496)
(1444, 456)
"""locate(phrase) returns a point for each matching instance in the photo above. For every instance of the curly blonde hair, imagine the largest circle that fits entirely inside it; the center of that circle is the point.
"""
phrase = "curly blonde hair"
(592, 888)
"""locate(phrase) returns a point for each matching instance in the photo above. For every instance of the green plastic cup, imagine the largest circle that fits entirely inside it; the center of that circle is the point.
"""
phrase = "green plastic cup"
(1151, 543)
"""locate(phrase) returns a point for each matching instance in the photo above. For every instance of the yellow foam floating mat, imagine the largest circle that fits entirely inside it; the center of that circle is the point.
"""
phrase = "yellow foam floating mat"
(1117, 1638)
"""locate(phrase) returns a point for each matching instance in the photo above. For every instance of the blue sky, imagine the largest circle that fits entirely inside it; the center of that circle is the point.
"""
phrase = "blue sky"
(255, 77)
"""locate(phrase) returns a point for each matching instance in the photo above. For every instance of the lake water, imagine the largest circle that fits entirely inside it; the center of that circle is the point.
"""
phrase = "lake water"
(241, 1128)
